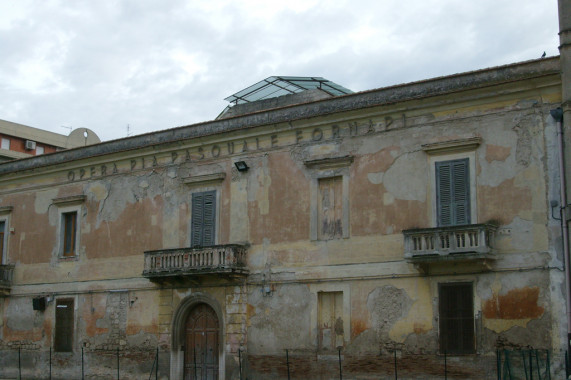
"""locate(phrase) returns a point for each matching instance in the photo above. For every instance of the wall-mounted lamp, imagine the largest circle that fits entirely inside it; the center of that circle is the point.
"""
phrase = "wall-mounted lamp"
(553, 205)
(241, 166)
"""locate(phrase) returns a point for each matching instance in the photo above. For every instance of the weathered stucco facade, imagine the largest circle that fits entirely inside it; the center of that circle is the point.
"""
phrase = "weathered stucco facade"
(312, 234)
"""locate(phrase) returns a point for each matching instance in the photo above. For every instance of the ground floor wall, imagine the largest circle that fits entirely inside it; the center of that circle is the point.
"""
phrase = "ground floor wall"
(312, 328)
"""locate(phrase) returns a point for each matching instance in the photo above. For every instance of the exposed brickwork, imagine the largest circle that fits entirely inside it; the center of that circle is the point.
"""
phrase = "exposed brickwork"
(312, 366)
(236, 300)
(165, 316)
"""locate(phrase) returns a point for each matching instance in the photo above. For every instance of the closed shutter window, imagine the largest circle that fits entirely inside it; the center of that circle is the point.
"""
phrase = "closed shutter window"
(453, 192)
(203, 219)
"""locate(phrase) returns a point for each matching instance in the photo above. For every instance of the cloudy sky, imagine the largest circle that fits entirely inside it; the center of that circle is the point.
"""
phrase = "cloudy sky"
(154, 65)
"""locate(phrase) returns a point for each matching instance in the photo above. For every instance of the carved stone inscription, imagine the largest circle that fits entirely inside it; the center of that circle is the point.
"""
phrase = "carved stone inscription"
(205, 152)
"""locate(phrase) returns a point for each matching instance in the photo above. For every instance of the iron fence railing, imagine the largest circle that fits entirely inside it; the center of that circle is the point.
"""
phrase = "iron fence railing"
(19, 363)
(137, 364)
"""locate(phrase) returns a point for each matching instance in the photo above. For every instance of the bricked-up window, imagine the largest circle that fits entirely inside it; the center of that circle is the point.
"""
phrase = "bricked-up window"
(203, 224)
(330, 320)
(330, 208)
(63, 340)
(69, 233)
(456, 308)
(453, 192)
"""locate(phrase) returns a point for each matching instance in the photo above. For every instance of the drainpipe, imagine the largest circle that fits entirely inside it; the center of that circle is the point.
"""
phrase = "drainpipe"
(564, 122)
(557, 114)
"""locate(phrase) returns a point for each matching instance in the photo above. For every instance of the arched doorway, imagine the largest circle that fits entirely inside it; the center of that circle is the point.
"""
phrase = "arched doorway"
(202, 330)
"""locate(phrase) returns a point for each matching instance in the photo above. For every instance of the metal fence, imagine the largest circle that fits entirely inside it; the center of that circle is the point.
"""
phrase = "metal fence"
(19, 363)
(524, 364)
(529, 364)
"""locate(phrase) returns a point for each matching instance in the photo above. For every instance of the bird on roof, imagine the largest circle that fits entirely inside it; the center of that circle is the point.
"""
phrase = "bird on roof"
(543, 55)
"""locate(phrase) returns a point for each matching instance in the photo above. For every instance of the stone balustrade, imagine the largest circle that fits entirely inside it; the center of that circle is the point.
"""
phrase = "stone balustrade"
(444, 241)
(217, 259)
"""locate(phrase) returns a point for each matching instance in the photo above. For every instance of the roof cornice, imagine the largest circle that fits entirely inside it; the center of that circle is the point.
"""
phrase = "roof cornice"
(383, 96)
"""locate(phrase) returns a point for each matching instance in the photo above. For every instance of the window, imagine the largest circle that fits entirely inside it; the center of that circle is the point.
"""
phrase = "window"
(330, 208)
(456, 309)
(69, 233)
(4, 232)
(39, 150)
(203, 224)
(63, 340)
(330, 320)
(5, 143)
(453, 192)
(69, 209)
(2, 241)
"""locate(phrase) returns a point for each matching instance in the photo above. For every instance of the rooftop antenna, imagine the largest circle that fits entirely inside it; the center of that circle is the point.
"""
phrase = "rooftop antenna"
(128, 130)
(70, 128)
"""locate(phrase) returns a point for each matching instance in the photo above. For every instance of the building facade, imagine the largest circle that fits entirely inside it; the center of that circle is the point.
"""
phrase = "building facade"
(20, 141)
(414, 220)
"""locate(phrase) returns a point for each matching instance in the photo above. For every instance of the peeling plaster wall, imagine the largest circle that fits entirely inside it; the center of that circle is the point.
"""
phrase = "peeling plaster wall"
(137, 201)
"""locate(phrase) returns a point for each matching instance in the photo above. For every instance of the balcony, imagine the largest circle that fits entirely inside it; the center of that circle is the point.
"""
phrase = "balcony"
(6, 275)
(471, 244)
(195, 264)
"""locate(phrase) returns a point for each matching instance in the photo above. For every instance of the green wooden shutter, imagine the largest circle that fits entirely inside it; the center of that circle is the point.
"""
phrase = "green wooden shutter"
(453, 192)
(209, 218)
(203, 219)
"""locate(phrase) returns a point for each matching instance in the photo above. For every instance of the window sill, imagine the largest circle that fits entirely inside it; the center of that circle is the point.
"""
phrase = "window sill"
(68, 258)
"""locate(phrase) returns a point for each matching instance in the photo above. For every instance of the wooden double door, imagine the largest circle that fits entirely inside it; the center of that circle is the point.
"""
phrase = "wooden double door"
(201, 344)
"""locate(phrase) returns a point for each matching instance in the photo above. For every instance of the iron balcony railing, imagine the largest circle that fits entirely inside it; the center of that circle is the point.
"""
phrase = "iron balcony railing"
(444, 241)
(217, 259)
(6, 276)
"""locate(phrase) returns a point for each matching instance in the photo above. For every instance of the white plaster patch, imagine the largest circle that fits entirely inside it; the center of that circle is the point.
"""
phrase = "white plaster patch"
(388, 199)
(99, 191)
(495, 172)
(370, 146)
(324, 149)
(522, 236)
(375, 178)
(44, 200)
(407, 177)
(263, 194)
(239, 212)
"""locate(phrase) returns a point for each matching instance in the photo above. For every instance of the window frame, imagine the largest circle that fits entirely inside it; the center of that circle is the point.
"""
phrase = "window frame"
(5, 140)
(66, 205)
(323, 169)
(329, 183)
(335, 295)
(5, 218)
(315, 289)
(433, 160)
(73, 235)
(442, 345)
(201, 184)
(448, 169)
(205, 193)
